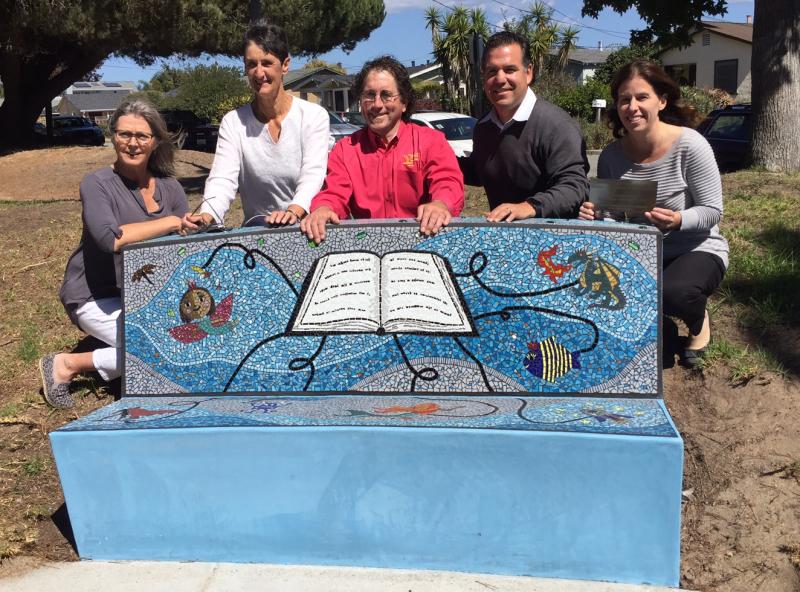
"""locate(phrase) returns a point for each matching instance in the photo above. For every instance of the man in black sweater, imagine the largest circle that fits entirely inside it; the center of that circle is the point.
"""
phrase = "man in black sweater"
(527, 153)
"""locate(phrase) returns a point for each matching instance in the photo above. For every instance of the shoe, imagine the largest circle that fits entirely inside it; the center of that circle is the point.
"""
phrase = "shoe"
(56, 395)
(693, 358)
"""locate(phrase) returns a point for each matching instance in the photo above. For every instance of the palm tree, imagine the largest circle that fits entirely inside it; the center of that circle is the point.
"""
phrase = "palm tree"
(568, 41)
(433, 21)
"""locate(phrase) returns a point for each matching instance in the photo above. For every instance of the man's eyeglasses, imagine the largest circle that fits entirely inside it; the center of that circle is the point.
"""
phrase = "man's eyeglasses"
(140, 137)
(386, 97)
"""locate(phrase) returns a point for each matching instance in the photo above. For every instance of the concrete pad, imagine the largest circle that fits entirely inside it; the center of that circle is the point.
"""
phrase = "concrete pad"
(130, 576)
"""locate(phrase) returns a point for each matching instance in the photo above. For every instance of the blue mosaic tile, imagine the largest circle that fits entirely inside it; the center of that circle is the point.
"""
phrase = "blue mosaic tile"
(552, 307)
(613, 416)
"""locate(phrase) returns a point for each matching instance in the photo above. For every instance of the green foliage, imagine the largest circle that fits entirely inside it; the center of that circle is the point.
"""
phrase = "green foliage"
(231, 103)
(34, 466)
(427, 89)
(622, 57)
(317, 63)
(45, 45)
(157, 98)
(165, 80)
(706, 99)
(671, 22)
(205, 88)
(597, 135)
(576, 99)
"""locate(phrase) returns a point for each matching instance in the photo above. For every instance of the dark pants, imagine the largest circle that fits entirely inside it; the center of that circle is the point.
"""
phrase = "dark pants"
(688, 282)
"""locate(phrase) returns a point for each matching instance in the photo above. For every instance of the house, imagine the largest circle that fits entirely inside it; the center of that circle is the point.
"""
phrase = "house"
(427, 72)
(95, 100)
(98, 107)
(323, 86)
(719, 57)
(583, 61)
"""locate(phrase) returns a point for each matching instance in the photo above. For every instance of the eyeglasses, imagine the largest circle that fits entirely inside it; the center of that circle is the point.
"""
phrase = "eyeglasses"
(140, 137)
(386, 97)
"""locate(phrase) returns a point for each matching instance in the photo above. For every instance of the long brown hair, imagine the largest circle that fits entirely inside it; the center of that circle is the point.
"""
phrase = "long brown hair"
(677, 111)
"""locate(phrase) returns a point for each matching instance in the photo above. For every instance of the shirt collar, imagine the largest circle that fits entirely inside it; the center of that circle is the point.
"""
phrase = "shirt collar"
(522, 113)
(377, 141)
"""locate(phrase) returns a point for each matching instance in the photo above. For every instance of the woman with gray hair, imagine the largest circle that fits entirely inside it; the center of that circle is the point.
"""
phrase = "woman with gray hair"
(135, 199)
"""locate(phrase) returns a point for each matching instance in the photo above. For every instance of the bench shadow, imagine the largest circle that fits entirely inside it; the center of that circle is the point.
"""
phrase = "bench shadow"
(62, 522)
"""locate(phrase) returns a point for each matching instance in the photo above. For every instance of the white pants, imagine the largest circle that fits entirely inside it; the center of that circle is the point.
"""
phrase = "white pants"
(101, 319)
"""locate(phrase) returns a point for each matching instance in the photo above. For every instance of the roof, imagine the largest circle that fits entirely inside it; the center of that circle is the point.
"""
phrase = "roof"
(292, 77)
(92, 87)
(93, 101)
(586, 56)
(738, 31)
(416, 71)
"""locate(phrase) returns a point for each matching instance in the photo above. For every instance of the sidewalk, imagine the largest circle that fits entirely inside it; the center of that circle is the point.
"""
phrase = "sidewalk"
(130, 576)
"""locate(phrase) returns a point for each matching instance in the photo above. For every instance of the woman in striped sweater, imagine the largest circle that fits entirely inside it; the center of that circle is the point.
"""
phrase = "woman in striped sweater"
(656, 143)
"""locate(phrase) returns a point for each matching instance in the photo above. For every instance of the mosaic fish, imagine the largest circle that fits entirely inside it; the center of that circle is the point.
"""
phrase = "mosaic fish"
(602, 415)
(139, 412)
(552, 270)
(420, 409)
(202, 317)
(143, 273)
(549, 360)
(200, 271)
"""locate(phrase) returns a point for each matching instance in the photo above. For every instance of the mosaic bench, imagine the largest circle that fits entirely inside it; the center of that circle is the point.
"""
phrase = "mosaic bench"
(488, 399)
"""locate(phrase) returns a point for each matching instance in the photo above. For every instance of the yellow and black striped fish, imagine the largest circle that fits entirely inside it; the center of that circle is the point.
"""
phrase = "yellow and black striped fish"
(549, 360)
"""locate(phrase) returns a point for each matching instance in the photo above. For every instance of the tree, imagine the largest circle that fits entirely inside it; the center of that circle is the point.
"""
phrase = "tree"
(775, 64)
(624, 55)
(165, 80)
(204, 88)
(317, 63)
(452, 48)
(45, 45)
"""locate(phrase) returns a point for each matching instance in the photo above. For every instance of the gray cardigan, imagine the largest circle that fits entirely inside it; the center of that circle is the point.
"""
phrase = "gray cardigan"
(688, 182)
(109, 200)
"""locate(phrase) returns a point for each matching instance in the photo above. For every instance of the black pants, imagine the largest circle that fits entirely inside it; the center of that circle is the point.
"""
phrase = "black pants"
(688, 282)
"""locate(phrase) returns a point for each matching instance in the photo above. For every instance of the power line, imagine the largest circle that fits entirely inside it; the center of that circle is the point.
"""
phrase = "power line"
(618, 34)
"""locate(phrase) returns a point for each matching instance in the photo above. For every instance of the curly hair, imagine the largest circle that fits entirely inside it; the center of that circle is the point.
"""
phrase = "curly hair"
(677, 111)
(398, 71)
(162, 159)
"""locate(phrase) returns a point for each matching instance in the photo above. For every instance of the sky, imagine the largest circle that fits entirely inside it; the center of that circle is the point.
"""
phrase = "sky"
(403, 33)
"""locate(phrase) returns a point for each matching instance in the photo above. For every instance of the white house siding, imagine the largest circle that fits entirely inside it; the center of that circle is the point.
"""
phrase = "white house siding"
(704, 56)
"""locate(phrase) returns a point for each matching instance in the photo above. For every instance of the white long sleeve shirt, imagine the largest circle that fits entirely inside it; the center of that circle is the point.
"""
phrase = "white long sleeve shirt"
(269, 175)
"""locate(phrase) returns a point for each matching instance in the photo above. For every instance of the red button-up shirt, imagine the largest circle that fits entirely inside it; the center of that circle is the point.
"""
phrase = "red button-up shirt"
(370, 179)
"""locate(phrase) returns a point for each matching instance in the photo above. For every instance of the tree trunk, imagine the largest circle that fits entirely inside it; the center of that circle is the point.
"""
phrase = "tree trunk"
(776, 85)
(29, 85)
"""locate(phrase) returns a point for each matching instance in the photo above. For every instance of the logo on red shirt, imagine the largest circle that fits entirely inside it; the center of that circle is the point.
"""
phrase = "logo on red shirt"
(410, 159)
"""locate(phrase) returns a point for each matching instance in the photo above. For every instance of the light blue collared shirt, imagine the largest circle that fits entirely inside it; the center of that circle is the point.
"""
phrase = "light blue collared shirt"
(522, 113)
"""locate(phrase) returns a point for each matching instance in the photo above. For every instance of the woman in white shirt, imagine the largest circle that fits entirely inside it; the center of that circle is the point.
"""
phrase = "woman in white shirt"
(274, 151)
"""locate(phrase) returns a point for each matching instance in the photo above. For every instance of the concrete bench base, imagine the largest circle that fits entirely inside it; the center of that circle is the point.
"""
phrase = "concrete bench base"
(470, 483)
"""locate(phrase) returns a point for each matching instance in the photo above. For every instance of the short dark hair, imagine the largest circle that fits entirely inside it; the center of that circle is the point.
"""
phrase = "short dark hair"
(271, 38)
(503, 38)
(677, 111)
(388, 64)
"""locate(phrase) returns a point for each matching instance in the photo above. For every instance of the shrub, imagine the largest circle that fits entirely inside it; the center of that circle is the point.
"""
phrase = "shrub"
(231, 103)
(576, 99)
(597, 135)
(706, 99)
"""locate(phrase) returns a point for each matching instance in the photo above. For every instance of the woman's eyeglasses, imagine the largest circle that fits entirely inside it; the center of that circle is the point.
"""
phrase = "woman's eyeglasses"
(140, 137)
(369, 97)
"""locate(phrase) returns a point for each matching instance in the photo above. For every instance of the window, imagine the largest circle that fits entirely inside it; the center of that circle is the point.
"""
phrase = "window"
(730, 127)
(726, 74)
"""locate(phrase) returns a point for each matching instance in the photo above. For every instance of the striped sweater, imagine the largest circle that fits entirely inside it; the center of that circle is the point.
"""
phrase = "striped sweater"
(688, 182)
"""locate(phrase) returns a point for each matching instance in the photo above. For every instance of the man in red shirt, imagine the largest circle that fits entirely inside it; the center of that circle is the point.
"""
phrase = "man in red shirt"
(389, 169)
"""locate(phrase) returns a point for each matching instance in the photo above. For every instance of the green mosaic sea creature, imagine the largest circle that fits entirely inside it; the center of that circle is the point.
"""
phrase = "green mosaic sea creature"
(182, 251)
(634, 245)
(361, 235)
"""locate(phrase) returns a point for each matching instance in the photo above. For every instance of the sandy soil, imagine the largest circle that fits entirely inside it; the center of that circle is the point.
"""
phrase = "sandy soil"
(742, 480)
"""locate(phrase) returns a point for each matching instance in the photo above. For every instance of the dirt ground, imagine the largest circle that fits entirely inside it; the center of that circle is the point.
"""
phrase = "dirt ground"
(741, 511)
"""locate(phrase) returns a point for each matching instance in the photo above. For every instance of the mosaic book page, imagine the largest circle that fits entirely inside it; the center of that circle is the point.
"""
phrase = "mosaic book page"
(538, 307)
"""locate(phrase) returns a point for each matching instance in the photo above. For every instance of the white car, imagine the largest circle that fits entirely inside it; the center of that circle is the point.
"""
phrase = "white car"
(456, 127)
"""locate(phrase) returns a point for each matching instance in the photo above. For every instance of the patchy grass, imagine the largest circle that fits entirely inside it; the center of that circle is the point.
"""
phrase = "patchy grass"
(744, 362)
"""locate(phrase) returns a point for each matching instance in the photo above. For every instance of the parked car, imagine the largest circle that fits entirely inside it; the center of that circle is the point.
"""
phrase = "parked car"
(729, 131)
(456, 127)
(71, 129)
(339, 129)
(354, 117)
(191, 132)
